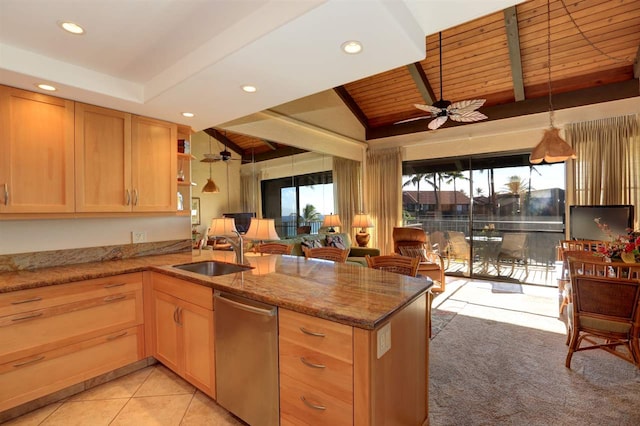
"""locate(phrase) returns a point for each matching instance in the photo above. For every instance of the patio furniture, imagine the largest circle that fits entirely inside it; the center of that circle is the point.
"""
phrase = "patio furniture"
(458, 247)
(514, 249)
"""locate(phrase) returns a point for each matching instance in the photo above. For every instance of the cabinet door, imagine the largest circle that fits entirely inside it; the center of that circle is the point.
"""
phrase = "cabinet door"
(103, 159)
(197, 339)
(166, 330)
(154, 165)
(36, 153)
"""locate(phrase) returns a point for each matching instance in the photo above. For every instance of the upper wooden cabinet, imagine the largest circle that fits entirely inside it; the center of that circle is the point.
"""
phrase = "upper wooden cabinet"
(36, 153)
(154, 145)
(103, 160)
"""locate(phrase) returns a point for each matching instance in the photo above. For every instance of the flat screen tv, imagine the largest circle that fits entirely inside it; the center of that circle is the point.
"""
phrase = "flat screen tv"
(583, 227)
(242, 220)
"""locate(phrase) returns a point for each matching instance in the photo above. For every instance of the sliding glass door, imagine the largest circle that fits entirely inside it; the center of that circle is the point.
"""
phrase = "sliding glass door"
(493, 217)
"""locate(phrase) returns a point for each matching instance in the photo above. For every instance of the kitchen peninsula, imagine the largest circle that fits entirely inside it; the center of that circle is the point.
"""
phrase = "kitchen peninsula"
(380, 321)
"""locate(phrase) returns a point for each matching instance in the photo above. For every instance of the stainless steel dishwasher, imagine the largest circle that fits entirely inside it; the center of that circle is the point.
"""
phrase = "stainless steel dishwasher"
(246, 353)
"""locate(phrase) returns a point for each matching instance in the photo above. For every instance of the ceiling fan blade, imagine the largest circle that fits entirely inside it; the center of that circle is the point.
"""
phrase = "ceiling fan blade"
(408, 120)
(466, 106)
(437, 122)
(468, 117)
(428, 108)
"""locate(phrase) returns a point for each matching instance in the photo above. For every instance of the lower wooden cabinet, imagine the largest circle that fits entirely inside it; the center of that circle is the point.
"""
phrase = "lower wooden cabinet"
(183, 330)
(54, 337)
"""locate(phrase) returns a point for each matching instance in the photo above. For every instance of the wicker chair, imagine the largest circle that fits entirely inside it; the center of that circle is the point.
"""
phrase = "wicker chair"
(414, 242)
(604, 309)
(327, 253)
(393, 263)
(274, 248)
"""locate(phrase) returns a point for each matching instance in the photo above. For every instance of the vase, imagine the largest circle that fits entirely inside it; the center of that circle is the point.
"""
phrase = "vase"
(628, 257)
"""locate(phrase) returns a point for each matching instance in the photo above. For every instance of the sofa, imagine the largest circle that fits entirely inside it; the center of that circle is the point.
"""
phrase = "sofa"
(356, 254)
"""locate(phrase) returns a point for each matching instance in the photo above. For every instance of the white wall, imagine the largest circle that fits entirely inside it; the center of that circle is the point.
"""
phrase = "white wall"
(22, 236)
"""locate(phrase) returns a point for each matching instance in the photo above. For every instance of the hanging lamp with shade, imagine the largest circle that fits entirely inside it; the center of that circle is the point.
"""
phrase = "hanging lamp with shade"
(210, 186)
(552, 148)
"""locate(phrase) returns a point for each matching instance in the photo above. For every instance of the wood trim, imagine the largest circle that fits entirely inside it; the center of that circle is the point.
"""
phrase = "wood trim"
(636, 65)
(513, 42)
(149, 316)
(422, 82)
(343, 93)
(362, 403)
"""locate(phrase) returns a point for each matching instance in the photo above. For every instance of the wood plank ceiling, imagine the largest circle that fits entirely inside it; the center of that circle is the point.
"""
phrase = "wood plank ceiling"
(503, 58)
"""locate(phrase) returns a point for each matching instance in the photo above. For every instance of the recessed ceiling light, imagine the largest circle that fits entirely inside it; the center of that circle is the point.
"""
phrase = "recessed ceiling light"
(71, 27)
(249, 89)
(46, 87)
(352, 47)
(188, 114)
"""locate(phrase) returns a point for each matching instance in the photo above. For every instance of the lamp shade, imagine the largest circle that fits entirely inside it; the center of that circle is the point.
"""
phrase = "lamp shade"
(223, 226)
(331, 220)
(262, 229)
(552, 148)
(362, 220)
(210, 186)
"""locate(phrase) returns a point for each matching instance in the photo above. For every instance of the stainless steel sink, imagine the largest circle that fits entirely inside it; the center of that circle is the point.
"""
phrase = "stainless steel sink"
(212, 268)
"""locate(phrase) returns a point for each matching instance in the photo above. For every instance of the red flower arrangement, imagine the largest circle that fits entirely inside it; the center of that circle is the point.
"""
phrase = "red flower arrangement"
(620, 245)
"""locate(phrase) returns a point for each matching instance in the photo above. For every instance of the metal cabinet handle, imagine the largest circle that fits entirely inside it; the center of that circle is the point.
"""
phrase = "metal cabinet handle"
(114, 337)
(311, 364)
(6, 194)
(135, 197)
(312, 405)
(127, 197)
(114, 297)
(311, 333)
(33, 299)
(28, 316)
(31, 361)
(179, 310)
(114, 285)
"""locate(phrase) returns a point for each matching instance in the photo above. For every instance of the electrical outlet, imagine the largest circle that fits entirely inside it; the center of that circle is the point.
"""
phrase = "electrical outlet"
(138, 237)
(384, 340)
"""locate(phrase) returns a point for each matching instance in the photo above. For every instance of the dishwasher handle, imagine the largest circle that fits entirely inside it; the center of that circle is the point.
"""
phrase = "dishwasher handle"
(249, 308)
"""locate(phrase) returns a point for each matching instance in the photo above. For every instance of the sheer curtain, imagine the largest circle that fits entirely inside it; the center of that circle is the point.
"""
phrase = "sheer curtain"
(607, 170)
(251, 197)
(384, 195)
(347, 194)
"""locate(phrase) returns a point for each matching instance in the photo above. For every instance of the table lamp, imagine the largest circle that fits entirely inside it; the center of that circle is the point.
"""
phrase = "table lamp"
(362, 221)
(330, 221)
(261, 230)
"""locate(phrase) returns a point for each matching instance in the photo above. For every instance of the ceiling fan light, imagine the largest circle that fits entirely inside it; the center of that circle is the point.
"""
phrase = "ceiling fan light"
(552, 148)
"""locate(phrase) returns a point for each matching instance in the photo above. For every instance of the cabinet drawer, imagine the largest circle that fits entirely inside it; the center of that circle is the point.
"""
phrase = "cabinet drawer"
(297, 398)
(25, 379)
(44, 329)
(197, 294)
(38, 298)
(318, 334)
(318, 370)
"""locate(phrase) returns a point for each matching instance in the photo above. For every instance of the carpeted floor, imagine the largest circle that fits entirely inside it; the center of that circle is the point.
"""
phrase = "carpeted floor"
(497, 358)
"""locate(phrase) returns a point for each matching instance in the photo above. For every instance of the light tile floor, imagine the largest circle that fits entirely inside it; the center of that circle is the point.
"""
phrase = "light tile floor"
(151, 396)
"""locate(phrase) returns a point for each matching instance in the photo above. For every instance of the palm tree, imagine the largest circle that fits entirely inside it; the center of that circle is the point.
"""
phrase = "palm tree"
(516, 186)
(310, 214)
(452, 177)
(415, 180)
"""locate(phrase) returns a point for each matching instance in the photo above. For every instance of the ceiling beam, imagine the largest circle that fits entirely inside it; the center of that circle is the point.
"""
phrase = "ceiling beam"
(352, 105)
(214, 133)
(636, 65)
(285, 151)
(271, 146)
(422, 83)
(592, 95)
(513, 42)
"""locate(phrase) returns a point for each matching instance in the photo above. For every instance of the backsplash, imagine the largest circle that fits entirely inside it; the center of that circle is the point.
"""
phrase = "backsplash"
(45, 259)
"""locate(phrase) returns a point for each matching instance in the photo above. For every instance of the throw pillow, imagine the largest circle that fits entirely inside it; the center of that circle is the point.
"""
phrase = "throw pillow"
(335, 241)
(311, 242)
(413, 251)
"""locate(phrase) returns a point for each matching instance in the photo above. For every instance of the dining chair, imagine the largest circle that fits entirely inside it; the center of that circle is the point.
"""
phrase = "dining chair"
(564, 285)
(394, 263)
(327, 253)
(514, 249)
(274, 248)
(604, 309)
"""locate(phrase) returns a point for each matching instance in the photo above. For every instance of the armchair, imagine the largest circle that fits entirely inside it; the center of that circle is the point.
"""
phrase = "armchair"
(414, 242)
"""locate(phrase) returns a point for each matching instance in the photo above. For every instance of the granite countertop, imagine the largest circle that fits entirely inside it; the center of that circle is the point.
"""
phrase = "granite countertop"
(348, 294)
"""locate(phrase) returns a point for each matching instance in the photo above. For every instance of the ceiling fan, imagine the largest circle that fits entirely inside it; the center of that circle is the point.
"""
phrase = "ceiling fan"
(441, 110)
(224, 155)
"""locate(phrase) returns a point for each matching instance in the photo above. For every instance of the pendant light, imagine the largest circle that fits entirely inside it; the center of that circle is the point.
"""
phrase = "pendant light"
(552, 148)
(210, 186)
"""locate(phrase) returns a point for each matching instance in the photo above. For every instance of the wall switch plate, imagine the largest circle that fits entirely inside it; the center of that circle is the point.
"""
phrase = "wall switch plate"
(138, 237)
(384, 340)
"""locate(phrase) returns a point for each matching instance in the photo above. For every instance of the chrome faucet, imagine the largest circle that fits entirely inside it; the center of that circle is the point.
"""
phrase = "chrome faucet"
(238, 247)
